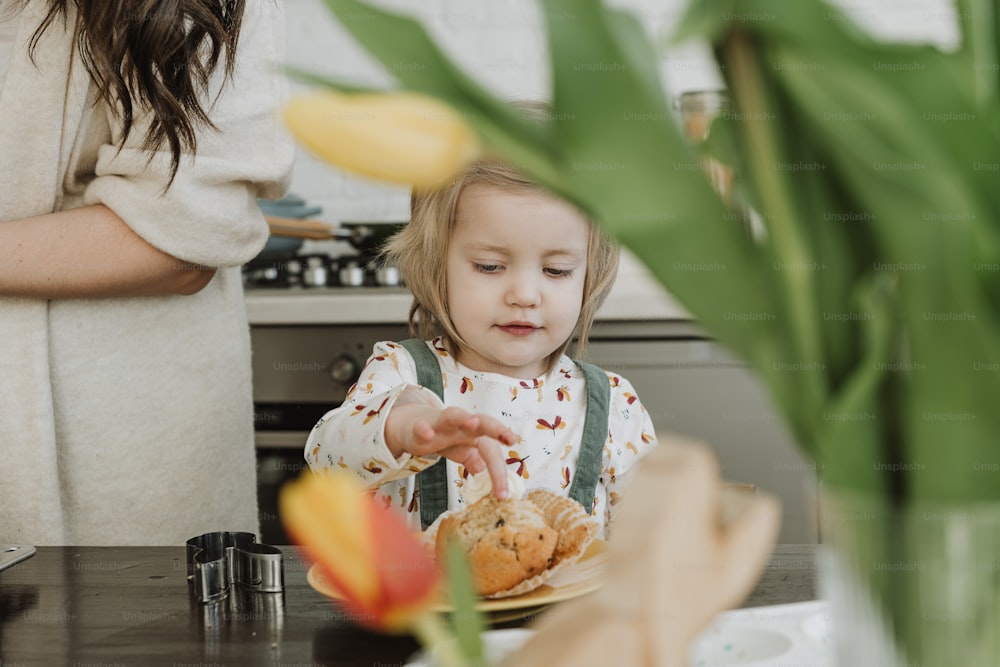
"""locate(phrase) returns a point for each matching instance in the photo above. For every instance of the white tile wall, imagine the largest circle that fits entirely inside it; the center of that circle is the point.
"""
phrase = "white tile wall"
(500, 43)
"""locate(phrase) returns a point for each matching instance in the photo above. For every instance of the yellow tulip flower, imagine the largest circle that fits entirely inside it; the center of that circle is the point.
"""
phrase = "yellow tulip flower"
(402, 138)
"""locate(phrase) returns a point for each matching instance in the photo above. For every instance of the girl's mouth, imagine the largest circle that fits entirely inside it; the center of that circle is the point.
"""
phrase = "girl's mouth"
(517, 328)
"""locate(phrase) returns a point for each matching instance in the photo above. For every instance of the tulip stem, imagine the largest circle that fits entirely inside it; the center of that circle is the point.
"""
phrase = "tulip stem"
(439, 643)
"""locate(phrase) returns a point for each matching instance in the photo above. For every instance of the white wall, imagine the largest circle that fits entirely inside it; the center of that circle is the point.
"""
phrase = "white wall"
(500, 43)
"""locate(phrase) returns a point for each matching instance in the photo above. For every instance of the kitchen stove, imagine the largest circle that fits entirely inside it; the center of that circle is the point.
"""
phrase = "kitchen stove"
(302, 369)
(319, 271)
(318, 299)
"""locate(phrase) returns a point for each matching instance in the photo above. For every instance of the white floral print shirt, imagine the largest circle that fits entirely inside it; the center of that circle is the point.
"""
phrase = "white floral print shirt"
(547, 413)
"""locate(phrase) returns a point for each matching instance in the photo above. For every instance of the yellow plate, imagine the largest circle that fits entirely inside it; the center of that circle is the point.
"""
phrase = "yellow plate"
(577, 579)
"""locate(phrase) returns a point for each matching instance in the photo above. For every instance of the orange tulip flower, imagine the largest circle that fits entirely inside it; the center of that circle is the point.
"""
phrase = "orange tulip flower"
(387, 578)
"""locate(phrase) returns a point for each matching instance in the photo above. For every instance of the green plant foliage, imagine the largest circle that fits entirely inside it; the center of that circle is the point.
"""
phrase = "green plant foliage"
(869, 305)
(467, 620)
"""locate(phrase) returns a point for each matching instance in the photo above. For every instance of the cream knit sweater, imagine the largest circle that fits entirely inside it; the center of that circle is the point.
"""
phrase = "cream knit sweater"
(128, 420)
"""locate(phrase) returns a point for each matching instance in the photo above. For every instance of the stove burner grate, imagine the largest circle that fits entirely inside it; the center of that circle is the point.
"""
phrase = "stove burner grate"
(319, 271)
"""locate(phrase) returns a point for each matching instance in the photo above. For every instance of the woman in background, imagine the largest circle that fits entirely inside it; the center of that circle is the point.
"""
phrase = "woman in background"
(135, 137)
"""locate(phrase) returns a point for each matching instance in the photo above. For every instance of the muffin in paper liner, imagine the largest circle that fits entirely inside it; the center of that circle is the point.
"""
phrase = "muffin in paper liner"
(576, 530)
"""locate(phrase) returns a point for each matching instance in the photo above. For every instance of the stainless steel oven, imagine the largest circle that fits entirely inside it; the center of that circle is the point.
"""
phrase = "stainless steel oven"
(300, 372)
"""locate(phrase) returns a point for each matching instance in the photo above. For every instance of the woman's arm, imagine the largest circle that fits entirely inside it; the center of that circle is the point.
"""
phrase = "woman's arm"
(88, 252)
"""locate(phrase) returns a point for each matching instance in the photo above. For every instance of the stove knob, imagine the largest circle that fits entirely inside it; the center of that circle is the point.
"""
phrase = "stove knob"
(387, 275)
(264, 276)
(293, 268)
(352, 275)
(314, 273)
(344, 369)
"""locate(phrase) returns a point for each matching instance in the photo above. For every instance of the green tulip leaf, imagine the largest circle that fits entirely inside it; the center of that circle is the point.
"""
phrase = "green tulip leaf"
(629, 165)
(705, 20)
(467, 619)
(638, 53)
(979, 22)
(395, 40)
(855, 427)
(322, 81)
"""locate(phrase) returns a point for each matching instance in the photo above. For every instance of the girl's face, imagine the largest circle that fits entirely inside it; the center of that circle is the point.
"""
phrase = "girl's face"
(515, 270)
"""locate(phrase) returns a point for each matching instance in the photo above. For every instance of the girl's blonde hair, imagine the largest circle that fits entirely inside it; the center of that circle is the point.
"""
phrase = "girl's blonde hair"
(420, 250)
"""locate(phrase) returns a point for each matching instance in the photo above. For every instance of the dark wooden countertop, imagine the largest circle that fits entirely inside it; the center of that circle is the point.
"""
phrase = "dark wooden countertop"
(107, 606)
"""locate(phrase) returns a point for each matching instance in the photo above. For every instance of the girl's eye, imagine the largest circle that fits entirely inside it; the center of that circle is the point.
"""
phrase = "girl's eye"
(559, 273)
(486, 268)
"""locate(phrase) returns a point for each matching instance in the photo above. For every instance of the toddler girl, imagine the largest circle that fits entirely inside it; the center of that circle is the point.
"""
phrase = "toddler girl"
(503, 274)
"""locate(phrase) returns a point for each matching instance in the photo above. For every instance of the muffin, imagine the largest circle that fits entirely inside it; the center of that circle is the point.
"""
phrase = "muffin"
(514, 545)
(506, 541)
(576, 530)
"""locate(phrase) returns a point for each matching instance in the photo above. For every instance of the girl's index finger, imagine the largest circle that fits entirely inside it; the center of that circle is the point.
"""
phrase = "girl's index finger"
(510, 438)
(497, 430)
(456, 418)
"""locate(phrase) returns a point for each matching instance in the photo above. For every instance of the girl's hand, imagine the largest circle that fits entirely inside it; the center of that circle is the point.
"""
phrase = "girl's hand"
(475, 441)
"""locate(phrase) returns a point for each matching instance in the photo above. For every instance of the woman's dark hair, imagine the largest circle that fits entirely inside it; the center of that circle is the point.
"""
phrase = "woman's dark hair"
(158, 54)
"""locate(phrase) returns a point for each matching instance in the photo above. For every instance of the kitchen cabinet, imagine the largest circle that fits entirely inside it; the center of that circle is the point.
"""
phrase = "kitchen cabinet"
(691, 386)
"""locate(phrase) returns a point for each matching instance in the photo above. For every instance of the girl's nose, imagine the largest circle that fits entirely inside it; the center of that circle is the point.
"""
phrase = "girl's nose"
(523, 291)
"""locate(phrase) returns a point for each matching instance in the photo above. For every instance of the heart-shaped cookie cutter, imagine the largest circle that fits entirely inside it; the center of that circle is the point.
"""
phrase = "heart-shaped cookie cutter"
(216, 561)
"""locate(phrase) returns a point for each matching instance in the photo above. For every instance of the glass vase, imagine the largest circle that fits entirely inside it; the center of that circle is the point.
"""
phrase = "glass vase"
(917, 584)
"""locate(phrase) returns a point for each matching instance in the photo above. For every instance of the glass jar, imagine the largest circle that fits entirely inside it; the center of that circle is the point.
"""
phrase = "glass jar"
(916, 584)
(698, 108)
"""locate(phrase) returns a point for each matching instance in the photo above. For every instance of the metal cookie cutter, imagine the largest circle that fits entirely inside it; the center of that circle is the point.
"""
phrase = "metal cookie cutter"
(216, 561)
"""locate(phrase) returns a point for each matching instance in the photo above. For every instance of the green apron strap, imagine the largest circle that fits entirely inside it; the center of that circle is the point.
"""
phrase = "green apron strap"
(432, 482)
(595, 434)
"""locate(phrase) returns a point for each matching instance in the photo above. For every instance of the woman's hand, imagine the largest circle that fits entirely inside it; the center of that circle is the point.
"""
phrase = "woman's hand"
(475, 441)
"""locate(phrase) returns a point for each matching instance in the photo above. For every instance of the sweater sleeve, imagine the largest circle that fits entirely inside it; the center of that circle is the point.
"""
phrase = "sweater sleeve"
(209, 215)
(352, 436)
(631, 437)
